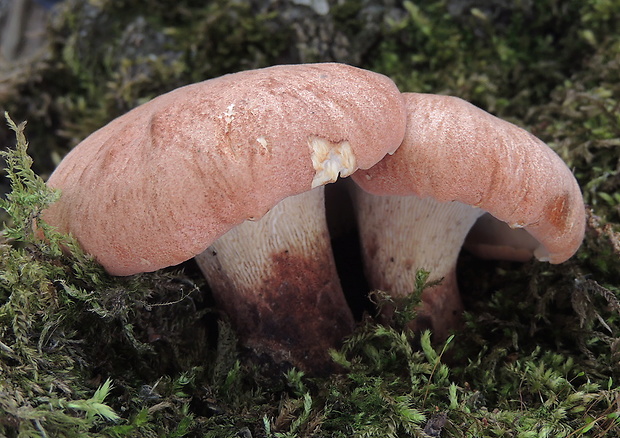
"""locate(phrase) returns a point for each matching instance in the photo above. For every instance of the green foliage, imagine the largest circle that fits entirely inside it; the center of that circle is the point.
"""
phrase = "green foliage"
(503, 56)
(29, 195)
(94, 407)
(389, 384)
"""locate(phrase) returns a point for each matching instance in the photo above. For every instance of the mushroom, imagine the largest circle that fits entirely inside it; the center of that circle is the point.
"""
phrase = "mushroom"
(160, 184)
(276, 279)
(457, 162)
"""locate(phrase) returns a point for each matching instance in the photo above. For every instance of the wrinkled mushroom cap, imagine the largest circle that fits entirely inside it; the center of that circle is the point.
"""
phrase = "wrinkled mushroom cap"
(159, 184)
(454, 151)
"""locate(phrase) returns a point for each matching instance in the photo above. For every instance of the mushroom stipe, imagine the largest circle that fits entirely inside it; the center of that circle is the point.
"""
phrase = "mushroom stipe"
(284, 285)
(231, 170)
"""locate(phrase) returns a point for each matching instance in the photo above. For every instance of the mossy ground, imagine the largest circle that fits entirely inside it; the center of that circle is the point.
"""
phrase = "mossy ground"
(86, 354)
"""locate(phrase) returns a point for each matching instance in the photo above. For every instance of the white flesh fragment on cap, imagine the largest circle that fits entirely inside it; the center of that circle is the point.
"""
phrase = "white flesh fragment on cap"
(330, 160)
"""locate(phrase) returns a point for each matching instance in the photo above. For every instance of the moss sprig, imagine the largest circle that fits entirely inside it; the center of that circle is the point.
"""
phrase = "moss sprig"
(29, 195)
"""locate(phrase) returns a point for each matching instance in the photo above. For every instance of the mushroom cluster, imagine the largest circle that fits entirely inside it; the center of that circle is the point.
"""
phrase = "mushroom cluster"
(231, 171)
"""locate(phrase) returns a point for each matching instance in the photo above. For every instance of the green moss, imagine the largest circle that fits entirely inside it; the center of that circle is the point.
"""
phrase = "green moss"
(539, 352)
(503, 56)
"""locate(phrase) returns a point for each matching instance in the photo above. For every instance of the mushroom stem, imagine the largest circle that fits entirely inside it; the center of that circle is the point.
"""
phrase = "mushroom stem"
(403, 234)
(276, 280)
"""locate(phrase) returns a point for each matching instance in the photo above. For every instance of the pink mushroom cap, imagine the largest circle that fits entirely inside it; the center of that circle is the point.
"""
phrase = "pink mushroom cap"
(454, 151)
(159, 184)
